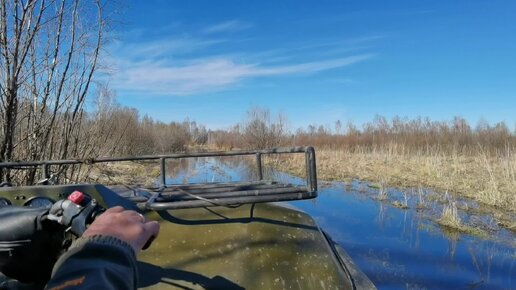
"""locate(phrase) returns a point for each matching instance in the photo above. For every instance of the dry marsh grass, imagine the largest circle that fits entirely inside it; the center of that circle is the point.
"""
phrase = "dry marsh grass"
(117, 173)
(450, 219)
(489, 179)
(450, 216)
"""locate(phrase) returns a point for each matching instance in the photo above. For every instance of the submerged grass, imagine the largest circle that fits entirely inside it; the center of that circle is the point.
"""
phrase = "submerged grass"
(451, 220)
(402, 204)
(450, 216)
(421, 204)
(382, 192)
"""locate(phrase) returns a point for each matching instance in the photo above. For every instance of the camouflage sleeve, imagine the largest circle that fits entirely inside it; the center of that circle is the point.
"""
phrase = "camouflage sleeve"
(96, 262)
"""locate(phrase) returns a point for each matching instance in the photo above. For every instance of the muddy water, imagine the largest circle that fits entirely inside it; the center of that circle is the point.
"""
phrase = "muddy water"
(396, 248)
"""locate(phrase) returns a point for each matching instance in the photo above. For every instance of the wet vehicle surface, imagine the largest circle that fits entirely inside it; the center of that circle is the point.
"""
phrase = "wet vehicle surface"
(261, 246)
(222, 244)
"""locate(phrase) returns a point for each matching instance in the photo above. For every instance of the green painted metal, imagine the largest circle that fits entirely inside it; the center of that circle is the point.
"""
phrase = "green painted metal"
(260, 246)
(268, 247)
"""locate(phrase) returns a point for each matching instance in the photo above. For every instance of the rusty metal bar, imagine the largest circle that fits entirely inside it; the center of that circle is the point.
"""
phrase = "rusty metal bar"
(220, 184)
(228, 201)
(221, 189)
(312, 170)
(196, 195)
(46, 171)
(259, 165)
(154, 157)
(210, 185)
(178, 196)
(162, 170)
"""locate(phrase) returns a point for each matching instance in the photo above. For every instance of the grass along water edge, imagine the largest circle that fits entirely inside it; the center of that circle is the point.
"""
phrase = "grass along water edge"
(489, 180)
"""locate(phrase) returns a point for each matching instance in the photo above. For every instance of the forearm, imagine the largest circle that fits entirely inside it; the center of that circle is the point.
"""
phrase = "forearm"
(96, 262)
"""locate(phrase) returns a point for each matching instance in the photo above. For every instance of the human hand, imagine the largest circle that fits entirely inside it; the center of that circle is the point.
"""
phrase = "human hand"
(126, 225)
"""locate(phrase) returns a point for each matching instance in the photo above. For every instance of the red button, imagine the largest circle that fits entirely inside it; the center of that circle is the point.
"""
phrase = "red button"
(76, 197)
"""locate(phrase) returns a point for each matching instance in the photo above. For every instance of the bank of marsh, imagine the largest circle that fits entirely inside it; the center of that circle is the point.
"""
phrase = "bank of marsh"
(489, 179)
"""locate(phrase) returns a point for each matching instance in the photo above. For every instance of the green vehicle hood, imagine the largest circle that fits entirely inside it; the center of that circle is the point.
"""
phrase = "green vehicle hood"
(265, 246)
(252, 246)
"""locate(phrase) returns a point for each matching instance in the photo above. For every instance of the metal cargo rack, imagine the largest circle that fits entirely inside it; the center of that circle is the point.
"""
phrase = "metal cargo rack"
(177, 196)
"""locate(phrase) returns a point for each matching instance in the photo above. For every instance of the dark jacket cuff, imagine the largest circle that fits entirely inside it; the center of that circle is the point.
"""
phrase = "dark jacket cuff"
(96, 262)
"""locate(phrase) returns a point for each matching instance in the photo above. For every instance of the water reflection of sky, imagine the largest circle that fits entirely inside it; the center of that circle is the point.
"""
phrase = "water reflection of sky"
(397, 249)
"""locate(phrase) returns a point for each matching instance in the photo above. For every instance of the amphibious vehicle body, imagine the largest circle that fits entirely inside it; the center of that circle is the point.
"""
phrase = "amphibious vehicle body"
(225, 235)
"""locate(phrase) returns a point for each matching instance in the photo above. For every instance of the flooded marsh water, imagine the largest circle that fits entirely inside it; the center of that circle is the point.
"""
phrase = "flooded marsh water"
(396, 248)
(401, 249)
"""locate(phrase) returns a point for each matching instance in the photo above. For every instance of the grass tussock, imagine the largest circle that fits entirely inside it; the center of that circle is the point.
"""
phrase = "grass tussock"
(382, 192)
(404, 203)
(450, 217)
(451, 220)
(421, 203)
(489, 179)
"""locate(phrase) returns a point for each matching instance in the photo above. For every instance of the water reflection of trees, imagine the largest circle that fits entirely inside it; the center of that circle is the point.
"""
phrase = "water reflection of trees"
(210, 169)
(223, 169)
(452, 236)
(416, 226)
(483, 263)
(179, 167)
(380, 218)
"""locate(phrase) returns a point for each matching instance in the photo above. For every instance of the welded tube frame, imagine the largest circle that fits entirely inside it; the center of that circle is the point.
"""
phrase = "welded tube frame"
(157, 206)
(309, 151)
(259, 165)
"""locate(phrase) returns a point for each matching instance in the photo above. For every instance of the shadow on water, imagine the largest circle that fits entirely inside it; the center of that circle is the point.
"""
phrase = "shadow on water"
(397, 248)
(150, 275)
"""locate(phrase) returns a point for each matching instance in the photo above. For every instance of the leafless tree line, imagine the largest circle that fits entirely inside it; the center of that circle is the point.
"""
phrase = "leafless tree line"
(419, 135)
(49, 51)
(259, 130)
(109, 129)
(50, 59)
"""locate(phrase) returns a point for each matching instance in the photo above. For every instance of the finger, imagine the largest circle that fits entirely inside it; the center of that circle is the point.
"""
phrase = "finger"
(114, 209)
(151, 228)
(135, 216)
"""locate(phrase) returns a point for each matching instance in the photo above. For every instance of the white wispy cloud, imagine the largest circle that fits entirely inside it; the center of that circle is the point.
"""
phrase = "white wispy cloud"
(227, 26)
(162, 47)
(215, 74)
(193, 63)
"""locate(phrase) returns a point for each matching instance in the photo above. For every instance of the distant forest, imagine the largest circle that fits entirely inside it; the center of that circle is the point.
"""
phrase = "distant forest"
(420, 135)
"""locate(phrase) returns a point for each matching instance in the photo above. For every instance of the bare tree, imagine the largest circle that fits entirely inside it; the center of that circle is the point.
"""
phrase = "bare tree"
(338, 127)
(49, 52)
(260, 131)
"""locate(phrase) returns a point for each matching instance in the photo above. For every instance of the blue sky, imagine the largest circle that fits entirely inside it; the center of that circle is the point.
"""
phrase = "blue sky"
(316, 61)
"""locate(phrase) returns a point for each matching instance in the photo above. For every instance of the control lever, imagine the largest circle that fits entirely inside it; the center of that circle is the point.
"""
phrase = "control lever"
(76, 212)
(31, 239)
